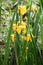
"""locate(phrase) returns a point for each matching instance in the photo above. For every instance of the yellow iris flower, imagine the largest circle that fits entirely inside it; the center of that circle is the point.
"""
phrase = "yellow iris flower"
(14, 27)
(27, 38)
(19, 28)
(21, 10)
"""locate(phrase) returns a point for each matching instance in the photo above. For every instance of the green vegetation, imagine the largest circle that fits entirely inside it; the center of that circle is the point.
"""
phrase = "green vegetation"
(21, 32)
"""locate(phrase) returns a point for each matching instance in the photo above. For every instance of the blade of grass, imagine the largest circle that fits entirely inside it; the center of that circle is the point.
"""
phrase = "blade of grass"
(0, 30)
(0, 57)
(35, 40)
(0, 13)
(8, 41)
(41, 30)
(14, 58)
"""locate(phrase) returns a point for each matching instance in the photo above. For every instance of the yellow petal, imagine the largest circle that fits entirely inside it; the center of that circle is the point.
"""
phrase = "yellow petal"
(14, 26)
(18, 30)
(22, 10)
(12, 37)
(23, 23)
(21, 27)
(28, 38)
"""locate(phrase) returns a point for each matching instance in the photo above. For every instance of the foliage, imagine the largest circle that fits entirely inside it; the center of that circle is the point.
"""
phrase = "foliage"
(20, 28)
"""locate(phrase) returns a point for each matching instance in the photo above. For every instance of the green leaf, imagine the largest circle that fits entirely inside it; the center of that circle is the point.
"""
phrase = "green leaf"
(41, 3)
